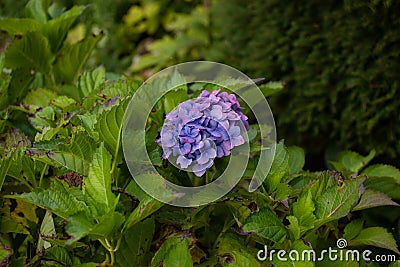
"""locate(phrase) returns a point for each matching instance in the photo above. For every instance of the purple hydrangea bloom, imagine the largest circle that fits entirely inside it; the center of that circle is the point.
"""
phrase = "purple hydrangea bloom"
(200, 130)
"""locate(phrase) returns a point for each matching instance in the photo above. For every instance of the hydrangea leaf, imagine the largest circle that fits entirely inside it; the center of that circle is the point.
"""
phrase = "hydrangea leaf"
(5, 164)
(37, 9)
(60, 255)
(135, 244)
(58, 199)
(91, 81)
(97, 188)
(296, 159)
(167, 254)
(146, 207)
(337, 201)
(353, 161)
(375, 236)
(303, 210)
(279, 167)
(72, 58)
(271, 88)
(76, 156)
(46, 229)
(266, 224)
(371, 198)
(32, 50)
(109, 126)
(19, 26)
(387, 185)
(381, 170)
(231, 249)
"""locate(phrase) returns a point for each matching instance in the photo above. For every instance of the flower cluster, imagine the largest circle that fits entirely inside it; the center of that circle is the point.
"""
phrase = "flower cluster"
(200, 130)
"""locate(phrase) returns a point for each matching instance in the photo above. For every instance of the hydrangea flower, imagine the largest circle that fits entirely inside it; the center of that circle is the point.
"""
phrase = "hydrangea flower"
(200, 130)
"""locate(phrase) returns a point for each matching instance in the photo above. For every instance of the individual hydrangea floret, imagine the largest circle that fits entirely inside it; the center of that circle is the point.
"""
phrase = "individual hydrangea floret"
(200, 130)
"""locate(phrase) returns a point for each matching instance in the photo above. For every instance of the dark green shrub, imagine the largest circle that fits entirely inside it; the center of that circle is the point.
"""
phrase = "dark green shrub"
(340, 61)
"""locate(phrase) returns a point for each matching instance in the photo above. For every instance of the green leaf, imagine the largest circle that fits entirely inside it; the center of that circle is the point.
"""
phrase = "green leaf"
(32, 50)
(232, 248)
(57, 199)
(56, 29)
(19, 84)
(294, 226)
(5, 164)
(299, 247)
(63, 101)
(388, 185)
(173, 252)
(22, 167)
(349, 262)
(37, 9)
(19, 26)
(353, 161)
(134, 189)
(371, 198)
(135, 244)
(279, 168)
(97, 189)
(82, 224)
(91, 82)
(78, 226)
(72, 58)
(39, 97)
(107, 225)
(336, 202)
(375, 236)
(89, 121)
(325, 180)
(121, 88)
(76, 156)
(381, 170)
(266, 224)
(296, 159)
(146, 207)
(5, 253)
(47, 229)
(60, 255)
(303, 210)
(109, 126)
(283, 190)
(353, 229)
(177, 95)
(271, 88)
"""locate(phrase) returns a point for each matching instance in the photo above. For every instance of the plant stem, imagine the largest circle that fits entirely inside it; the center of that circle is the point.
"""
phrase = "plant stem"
(106, 244)
(112, 254)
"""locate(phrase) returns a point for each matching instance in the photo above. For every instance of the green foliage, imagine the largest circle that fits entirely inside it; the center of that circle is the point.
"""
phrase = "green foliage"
(266, 224)
(135, 245)
(376, 236)
(40, 47)
(67, 198)
(97, 186)
(338, 60)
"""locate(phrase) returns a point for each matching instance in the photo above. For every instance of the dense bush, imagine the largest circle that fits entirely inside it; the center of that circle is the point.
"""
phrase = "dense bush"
(340, 60)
